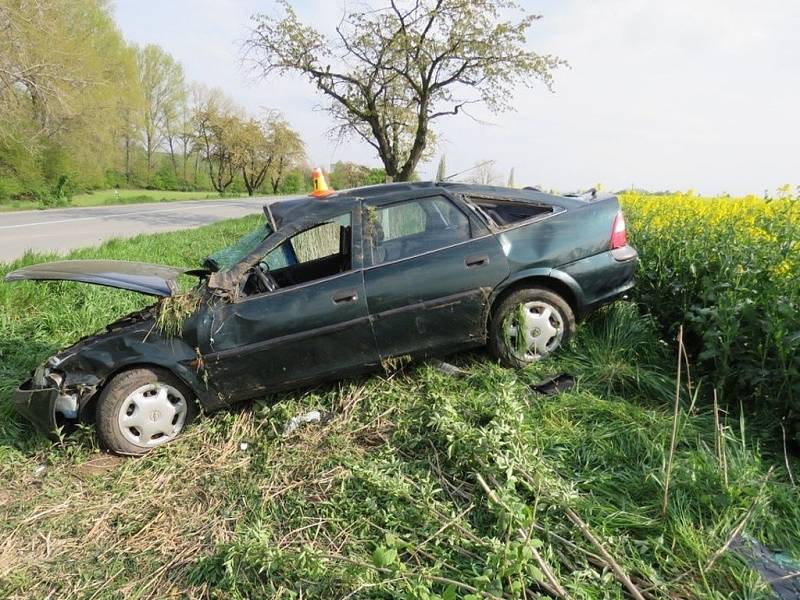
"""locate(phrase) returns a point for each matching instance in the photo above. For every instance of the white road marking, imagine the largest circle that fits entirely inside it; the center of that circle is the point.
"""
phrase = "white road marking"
(109, 216)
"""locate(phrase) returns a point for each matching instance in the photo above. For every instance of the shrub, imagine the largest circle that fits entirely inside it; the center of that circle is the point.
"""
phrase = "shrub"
(164, 178)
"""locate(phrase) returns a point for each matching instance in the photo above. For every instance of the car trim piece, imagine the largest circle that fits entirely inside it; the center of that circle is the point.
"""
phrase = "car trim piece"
(434, 303)
(624, 254)
(289, 337)
(300, 335)
(399, 260)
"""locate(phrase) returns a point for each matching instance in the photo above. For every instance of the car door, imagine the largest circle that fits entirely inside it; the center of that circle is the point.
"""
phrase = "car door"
(315, 326)
(430, 268)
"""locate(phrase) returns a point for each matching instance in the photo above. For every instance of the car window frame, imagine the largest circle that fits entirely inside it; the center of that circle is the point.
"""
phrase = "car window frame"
(356, 259)
(490, 223)
(477, 230)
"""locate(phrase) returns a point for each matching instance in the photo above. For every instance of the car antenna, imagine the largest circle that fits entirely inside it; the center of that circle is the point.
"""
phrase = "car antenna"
(478, 166)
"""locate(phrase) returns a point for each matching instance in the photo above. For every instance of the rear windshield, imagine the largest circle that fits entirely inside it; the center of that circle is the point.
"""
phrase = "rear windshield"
(506, 212)
(225, 259)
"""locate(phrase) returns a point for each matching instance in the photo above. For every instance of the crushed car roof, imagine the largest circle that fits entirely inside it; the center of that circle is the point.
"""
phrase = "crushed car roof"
(307, 209)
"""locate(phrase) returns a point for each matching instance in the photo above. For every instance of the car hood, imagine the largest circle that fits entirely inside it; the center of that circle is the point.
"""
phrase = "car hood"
(145, 278)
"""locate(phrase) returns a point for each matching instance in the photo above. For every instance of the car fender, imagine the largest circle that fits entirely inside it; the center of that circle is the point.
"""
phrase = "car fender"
(191, 375)
(541, 274)
(97, 363)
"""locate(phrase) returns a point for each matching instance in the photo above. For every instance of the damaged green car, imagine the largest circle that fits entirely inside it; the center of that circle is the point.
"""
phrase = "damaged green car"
(333, 287)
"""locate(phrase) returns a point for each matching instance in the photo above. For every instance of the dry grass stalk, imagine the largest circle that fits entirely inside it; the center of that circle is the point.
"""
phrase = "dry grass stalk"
(719, 441)
(786, 456)
(740, 525)
(552, 585)
(689, 386)
(674, 437)
(615, 567)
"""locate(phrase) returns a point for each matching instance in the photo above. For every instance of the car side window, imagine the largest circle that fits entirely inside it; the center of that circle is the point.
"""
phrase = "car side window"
(413, 227)
(321, 251)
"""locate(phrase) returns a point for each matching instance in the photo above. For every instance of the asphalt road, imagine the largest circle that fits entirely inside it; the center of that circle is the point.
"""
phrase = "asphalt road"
(61, 230)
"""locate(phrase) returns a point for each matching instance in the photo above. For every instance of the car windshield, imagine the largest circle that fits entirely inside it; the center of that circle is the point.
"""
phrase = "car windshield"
(225, 259)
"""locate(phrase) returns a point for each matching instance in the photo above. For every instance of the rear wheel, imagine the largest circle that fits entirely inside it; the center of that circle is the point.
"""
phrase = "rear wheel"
(528, 325)
(143, 408)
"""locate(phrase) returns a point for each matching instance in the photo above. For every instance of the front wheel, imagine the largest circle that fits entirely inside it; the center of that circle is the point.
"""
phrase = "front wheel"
(528, 325)
(143, 408)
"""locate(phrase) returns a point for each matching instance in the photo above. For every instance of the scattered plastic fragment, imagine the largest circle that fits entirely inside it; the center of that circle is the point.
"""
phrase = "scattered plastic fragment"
(448, 369)
(778, 569)
(555, 385)
(313, 416)
(39, 470)
(243, 446)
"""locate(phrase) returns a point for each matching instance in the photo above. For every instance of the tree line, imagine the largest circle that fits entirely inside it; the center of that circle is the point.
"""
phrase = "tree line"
(81, 108)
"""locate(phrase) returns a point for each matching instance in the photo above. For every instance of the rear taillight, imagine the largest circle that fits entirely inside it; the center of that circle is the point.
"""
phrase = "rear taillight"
(619, 234)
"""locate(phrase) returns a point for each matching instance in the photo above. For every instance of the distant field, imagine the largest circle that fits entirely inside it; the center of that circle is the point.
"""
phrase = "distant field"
(109, 197)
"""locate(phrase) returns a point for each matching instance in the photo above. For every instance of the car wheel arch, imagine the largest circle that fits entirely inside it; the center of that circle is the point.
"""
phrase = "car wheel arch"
(552, 280)
(201, 394)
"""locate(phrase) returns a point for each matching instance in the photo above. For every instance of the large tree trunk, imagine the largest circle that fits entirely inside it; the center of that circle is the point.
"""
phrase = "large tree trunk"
(420, 140)
(128, 160)
(149, 151)
(172, 156)
(248, 183)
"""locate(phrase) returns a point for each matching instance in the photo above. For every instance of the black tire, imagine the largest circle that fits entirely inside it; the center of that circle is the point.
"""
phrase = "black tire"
(502, 342)
(150, 406)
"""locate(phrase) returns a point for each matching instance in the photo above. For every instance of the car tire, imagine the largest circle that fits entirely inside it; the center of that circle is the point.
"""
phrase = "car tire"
(550, 324)
(143, 408)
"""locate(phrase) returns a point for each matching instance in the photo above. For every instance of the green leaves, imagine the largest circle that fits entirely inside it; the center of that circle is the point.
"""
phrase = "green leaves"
(384, 557)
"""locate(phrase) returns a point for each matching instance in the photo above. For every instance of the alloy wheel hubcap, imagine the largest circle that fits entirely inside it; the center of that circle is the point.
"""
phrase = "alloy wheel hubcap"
(534, 329)
(152, 415)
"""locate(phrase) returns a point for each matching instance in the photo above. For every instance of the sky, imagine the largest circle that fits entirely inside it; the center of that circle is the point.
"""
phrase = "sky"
(659, 95)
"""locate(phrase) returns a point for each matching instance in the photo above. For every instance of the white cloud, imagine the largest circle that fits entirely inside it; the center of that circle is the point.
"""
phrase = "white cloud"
(678, 94)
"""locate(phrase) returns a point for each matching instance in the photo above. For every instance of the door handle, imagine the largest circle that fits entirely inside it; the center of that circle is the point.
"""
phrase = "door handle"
(476, 261)
(345, 296)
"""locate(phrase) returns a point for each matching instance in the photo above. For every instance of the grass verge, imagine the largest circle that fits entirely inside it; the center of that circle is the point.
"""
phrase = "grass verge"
(111, 197)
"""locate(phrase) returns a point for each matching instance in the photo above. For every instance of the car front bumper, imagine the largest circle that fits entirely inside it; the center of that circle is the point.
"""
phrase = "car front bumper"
(38, 405)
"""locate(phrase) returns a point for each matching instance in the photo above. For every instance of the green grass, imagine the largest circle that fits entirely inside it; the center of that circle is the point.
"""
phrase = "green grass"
(383, 500)
(110, 197)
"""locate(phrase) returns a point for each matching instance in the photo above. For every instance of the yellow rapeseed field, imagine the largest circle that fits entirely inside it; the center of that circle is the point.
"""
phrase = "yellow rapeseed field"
(728, 269)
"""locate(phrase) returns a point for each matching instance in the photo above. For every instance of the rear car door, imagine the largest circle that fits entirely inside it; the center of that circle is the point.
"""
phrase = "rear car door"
(314, 326)
(430, 266)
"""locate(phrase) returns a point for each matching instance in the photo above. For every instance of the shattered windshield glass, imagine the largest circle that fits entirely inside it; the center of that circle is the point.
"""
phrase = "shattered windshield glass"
(224, 259)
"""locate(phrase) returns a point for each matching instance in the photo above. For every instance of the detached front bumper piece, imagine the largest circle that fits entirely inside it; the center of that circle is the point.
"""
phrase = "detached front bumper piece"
(38, 405)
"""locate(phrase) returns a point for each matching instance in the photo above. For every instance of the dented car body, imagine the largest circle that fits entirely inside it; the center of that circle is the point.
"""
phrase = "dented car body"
(334, 287)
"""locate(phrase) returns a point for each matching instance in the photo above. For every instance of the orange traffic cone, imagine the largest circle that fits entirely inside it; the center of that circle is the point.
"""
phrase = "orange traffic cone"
(319, 184)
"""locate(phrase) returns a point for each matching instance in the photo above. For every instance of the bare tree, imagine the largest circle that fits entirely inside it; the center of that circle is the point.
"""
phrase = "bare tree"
(392, 72)
(484, 173)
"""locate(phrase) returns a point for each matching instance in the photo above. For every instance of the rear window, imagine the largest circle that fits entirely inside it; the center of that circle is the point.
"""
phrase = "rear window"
(505, 212)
